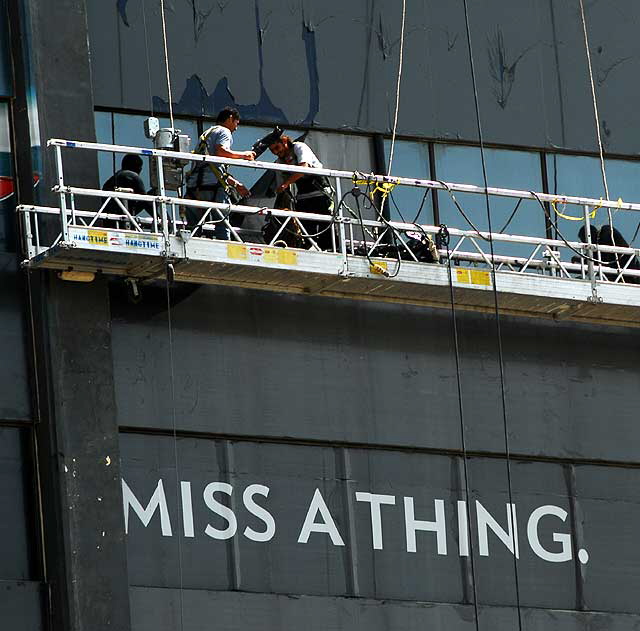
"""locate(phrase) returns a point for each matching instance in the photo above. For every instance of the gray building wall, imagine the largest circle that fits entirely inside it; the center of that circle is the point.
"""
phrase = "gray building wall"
(334, 64)
(300, 393)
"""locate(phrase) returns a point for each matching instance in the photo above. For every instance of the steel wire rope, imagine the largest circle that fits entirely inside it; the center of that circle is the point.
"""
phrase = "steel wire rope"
(461, 210)
(511, 216)
(174, 432)
(330, 224)
(170, 330)
(393, 229)
(357, 193)
(146, 48)
(397, 108)
(166, 61)
(393, 201)
(497, 314)
(418, 212)
(445, 240)
(597, 125)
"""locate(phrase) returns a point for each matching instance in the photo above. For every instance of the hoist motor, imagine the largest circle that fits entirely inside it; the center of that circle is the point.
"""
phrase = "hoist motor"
(168, 139)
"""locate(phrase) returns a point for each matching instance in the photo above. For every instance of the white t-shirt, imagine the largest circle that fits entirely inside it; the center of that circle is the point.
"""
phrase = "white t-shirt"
(304, 153)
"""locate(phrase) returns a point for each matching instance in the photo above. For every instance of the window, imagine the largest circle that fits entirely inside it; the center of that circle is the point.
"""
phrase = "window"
(7, 197)
(6, 88)
(505, 169)
(582, 176)
(344, 152)
(128, 129)
(410, 159)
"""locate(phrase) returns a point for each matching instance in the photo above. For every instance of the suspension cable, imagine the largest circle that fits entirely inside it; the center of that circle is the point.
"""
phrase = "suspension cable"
(595, 102)
(146, 47)
(445, 240)
(597, 123)
(514, 543)
(175, 435)
(166, 61)
(400, 60)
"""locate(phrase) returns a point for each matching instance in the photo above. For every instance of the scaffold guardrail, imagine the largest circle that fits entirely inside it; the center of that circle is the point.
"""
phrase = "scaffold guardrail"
(85, 221)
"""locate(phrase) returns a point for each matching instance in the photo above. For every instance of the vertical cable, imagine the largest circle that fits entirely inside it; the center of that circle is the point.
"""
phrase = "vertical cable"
(496, 309)
(595, 102)
(400, 60)
(444, 233)
(175, 439)
(166, 61)
(146, 47)
(597, 122)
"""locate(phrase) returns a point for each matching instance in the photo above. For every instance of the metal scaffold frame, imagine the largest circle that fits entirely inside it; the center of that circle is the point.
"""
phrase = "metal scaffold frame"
(556, 278)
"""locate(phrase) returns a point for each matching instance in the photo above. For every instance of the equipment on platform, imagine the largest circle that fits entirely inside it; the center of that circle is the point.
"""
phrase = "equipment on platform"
(260, 146)
(168, 139)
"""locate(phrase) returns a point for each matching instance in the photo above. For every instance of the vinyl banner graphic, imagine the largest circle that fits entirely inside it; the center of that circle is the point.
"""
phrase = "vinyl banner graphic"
(302, 519)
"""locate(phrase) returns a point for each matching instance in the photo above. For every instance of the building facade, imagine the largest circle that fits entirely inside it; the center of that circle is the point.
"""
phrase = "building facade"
(217, 456)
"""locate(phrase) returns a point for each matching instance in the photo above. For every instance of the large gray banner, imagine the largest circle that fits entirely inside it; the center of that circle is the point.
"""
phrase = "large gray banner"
(329, 521)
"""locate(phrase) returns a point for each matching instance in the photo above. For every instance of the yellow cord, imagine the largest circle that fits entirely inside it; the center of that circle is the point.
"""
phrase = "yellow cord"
(384, 188)
(592, 214)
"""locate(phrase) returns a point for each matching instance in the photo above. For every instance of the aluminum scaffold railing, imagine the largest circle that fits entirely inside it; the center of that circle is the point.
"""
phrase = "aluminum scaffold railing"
(364, 243)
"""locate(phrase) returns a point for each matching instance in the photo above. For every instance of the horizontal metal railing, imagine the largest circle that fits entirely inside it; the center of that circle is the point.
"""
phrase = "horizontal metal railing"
(352, 232)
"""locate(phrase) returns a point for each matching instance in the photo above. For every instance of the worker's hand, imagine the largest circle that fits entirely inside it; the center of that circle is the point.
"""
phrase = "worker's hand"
(283, 187)
(243, 190)
(249, 155)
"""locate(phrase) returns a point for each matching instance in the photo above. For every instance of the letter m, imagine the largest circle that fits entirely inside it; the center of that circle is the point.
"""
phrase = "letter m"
(158, 500)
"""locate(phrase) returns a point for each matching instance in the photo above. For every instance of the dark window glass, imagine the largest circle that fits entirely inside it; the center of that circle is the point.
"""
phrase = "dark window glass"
(7, 197)
(16, 532)
(582, 176)
(505, 169)
(129, 130)
(410, 159)
(6, 88)
(104, 134)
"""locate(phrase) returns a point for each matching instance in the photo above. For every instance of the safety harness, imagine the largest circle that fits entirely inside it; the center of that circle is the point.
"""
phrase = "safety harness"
(221, 176)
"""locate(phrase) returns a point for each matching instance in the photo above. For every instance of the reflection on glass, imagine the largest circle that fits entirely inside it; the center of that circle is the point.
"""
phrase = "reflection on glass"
(581, 176)
(7, 197)
(344, 152)
(410, 159)
(129, 130)
(505, 169)
(104, 134)
(6, 87)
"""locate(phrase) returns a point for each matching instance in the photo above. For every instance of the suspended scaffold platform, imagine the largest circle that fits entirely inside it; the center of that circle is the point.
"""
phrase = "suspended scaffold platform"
(370, 257)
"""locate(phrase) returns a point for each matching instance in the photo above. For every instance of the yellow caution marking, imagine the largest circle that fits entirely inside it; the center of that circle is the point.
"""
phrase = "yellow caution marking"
(473, 277)
(261, 254)
(236, 251)
(286, 257)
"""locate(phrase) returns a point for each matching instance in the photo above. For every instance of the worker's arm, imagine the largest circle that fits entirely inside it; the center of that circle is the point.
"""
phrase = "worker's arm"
(294, 177)
(221, 152)
(239, 186)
